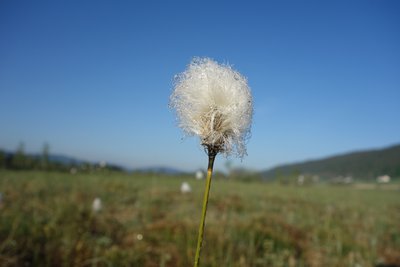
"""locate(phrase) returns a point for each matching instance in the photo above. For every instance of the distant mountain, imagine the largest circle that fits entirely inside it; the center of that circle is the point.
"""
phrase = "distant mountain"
(64, 159)
(360, 165)
(59, 160)
(159, 170)
(67, 160)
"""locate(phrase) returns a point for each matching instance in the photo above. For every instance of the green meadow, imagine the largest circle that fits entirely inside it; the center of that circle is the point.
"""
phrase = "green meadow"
(46, 219)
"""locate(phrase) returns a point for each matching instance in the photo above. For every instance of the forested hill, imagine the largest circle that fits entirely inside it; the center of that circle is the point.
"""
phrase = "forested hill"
(360, 165)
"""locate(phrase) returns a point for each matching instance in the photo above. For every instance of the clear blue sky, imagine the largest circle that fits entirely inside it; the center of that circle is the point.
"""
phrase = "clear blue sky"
(93, 78)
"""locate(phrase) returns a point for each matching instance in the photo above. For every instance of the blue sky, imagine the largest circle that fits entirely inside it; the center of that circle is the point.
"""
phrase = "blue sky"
(93, 78)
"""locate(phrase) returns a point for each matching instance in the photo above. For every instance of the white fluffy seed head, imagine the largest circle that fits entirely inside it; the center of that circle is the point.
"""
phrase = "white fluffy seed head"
(96, 205)
(214, 102)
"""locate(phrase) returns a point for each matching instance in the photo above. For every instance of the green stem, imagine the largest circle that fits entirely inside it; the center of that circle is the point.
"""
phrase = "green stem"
(211, 159)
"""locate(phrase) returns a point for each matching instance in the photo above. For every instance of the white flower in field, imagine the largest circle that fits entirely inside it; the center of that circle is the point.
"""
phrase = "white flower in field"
(214, 102)
(96, 206)
(73, 170)
(185, 188)
(103, 164)
(199, 175)
(139, 237)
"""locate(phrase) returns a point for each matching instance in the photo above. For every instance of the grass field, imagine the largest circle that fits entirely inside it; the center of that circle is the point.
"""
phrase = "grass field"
(46, 219)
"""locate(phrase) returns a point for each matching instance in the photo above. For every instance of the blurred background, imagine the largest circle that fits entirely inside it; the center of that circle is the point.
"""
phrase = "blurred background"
(84, 119)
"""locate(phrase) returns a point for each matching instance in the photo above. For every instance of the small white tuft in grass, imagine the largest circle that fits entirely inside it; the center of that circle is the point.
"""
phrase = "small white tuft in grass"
(199, 175)
(185, 188)
(97, 206)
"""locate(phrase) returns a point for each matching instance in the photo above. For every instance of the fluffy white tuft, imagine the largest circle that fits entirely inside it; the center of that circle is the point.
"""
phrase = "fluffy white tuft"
(96, 205)
(214, 102)
(185, 188)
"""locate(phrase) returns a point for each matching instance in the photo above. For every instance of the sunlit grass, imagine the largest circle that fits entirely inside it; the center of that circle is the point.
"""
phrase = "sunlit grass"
(47, 220)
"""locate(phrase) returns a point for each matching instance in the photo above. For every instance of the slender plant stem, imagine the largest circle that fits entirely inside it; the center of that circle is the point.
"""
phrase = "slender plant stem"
(211, 159)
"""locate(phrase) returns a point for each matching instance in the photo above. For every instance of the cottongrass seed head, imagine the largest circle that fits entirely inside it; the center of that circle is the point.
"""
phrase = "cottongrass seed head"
(214, 102)
(96, 205)
(185, 188)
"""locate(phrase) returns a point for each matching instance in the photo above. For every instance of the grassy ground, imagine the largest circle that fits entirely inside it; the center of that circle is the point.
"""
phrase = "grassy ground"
(46, 220)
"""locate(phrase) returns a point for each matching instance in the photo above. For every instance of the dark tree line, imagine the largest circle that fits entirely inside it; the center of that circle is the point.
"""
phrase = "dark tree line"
(20, 160)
